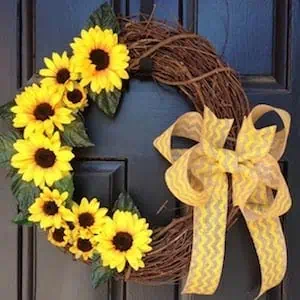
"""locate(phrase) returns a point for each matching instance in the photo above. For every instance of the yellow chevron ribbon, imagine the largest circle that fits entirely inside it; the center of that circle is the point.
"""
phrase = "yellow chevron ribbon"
(260, 190)
(198, 178)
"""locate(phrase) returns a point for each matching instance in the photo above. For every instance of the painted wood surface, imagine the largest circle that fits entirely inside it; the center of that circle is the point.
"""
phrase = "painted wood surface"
(261, 45)
(8, 85)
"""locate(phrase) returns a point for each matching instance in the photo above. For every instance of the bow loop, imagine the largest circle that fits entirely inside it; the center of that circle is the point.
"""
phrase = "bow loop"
(253, 144)
(260, 190)
(198, 177)
(188, 126)
(215, 130)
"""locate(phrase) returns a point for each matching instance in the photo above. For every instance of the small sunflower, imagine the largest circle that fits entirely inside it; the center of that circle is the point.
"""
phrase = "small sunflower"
(61, 236)
(100, 59)
(38, 109)
(83, 245)
(42, 159)
(76, 99)
(60, 74)
(124, 238)
(48, 209)
(88, 216)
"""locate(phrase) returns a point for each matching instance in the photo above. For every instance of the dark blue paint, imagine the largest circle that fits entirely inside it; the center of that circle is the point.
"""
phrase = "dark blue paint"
(148, 109)
(248, 28)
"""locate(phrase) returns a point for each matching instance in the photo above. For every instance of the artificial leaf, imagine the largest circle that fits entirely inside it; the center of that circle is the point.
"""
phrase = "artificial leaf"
(100, 274)
(126, 203)
(66, 185)
(105, 18)
(25, 192)
(5, 112)
(108, 102)
(75, 135)
(6, 147)
(22, 219)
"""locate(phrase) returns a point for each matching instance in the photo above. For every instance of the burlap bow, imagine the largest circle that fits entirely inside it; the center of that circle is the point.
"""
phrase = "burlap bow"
(198, 178)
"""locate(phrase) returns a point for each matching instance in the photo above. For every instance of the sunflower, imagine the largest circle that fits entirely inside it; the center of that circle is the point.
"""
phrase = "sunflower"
(83, 245)
(60, 236)
(48, 209)
(42, 159)
(60, 74)
(38, 109)
(88, 216)
(76, 99)
(124, 238)
(99, 58)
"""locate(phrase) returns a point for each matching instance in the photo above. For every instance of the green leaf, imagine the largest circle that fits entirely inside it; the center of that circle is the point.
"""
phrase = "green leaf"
(25, 192)
(22, 219)
(100, 274)
(108, 102)
(75, 135)
(126, 203)
(105, 18)
(66, 185)
(6, 147)
(5, 112)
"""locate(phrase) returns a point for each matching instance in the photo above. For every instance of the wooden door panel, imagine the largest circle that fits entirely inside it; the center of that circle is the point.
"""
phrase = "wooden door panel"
(145, 111)
(57, 22)
(259, 46)
(101, 179)
(8, 84)
(240, 31)
(59, 277)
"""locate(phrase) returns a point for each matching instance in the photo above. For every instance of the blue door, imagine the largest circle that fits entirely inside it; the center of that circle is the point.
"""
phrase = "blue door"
(260, 39)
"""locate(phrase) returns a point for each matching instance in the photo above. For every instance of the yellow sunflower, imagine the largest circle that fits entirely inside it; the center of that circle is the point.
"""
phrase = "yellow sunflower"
(83, 245)
(59, 74)
(48, 209)
(100, 60)
(76, 99)
(42, 159)
(88, 216)
(60, 236)
(124, 238)
(38, 109)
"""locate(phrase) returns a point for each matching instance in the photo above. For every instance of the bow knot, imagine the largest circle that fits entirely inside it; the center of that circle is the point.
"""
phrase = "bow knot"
(198, 177)
(227, 160)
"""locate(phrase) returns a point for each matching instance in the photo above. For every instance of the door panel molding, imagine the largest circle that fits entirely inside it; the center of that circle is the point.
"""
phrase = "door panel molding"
(276, 89)
(277, 82)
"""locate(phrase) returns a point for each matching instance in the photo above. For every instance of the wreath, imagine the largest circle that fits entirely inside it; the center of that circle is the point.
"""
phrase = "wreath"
(231, 170)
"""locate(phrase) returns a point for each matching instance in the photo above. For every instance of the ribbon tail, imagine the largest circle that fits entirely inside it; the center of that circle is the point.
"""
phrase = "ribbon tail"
(208, 242)
(271, 250)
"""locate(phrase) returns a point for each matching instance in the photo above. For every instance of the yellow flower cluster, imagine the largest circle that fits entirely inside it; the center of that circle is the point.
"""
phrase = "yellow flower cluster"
(86, 228)
(42, 112)
(99, 61)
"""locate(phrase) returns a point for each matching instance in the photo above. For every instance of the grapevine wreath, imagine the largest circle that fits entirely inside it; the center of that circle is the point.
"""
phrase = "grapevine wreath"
(231, 171)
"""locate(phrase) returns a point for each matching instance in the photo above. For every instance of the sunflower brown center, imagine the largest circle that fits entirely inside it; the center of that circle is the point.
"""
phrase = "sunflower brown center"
(74, 96)
(58, 235)
(71, 225)
(100, 59)
(43, 111)
(62, 75)
(84, 245)
(123, 241)
(50, 208)
(45, 158)
(86, 220)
